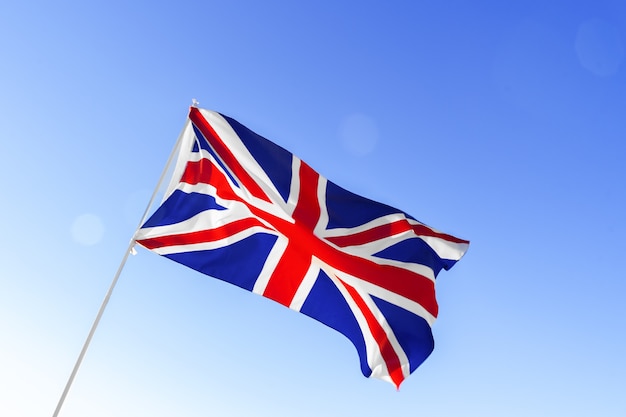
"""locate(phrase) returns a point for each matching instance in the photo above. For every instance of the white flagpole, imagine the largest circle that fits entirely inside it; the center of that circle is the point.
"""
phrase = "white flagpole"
(129, 250)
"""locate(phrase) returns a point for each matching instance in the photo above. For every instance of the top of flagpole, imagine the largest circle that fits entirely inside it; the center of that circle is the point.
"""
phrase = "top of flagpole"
(194, 102)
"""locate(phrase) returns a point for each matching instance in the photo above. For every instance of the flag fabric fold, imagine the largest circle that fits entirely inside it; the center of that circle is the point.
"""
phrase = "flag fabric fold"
(246, 211)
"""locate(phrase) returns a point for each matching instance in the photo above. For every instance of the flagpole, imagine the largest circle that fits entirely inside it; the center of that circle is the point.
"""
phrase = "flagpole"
(129, 250)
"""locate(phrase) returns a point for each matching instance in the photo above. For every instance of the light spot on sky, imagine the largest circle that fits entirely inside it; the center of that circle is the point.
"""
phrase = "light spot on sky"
(87, 229)
(358, 134)
(599, 47)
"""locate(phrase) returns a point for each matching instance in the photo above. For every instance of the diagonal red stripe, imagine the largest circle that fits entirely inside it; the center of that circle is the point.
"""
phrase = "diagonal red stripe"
(226, 155)
(392, 361)
(376, 233)
(422, 230)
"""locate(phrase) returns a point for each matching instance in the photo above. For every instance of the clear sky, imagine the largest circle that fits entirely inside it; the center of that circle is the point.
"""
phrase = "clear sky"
(501, 122)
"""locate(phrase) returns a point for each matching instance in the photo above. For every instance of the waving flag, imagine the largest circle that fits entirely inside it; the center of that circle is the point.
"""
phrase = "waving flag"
(244, 210)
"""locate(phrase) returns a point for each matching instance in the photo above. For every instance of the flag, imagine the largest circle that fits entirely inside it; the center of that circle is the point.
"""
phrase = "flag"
(246, 211)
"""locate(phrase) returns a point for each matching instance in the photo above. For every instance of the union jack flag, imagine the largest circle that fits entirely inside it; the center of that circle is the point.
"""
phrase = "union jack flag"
(244, 210)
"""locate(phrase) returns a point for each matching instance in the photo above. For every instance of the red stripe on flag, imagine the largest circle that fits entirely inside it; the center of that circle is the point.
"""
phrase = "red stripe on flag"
(387, 230)
(307, 211)
(201, 236)
(367, 236)
(422, 230)
(227, 157)
(392, 361)
(204, 172)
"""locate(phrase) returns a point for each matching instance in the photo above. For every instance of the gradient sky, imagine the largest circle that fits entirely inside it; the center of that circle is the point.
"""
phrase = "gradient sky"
(500, 122)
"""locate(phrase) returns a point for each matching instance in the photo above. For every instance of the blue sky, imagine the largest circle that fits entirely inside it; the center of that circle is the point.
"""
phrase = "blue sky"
(500, 122)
